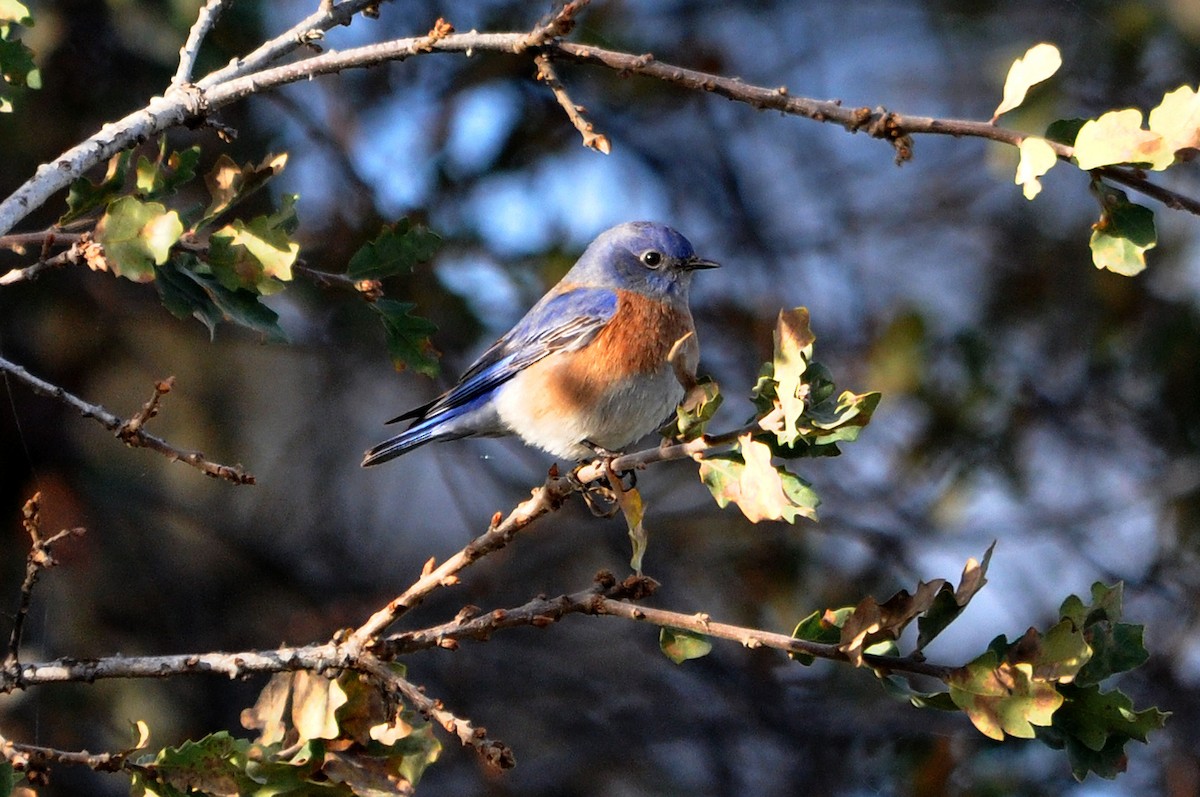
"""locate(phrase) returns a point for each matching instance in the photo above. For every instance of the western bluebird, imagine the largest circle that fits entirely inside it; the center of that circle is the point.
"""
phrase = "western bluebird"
(588, 367)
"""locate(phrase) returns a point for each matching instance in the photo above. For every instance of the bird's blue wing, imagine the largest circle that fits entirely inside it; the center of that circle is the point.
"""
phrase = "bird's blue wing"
(559, 322)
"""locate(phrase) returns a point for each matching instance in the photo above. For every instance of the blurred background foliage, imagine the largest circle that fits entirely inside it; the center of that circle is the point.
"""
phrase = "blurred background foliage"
(1028, 398)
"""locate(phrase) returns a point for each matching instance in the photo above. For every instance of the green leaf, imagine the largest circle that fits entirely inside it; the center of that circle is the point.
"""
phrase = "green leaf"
(1094, 727)
(84, 195)
(212, 765)
(1061, 653)
(395, 250)
(1118, 137)
(760, 489)
(1064, 131)
(185, 298)
(1037, 158)
(695, 411)
(1001, 697)
(897, 686)
(137, 236)
(1124, 233)
(407, 336)
(1037, 64)
(1116, 647)
(16, 60)
(8, 779)
(680, 645)
(163, 176)
(823, 627)
(229, 184)
(13, 11)
(218, 303)
(257, 255)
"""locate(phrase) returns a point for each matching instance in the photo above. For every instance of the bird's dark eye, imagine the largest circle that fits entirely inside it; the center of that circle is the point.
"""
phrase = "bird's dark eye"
(652, 258)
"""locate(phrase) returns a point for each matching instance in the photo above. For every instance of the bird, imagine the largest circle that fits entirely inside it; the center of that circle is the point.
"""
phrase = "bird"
(599, 362)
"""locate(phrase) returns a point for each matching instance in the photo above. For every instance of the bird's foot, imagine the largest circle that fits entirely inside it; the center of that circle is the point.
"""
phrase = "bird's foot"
(601, 500)
(606, 457)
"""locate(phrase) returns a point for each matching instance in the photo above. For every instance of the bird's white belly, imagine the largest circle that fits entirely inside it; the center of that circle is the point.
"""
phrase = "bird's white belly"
(613, 418)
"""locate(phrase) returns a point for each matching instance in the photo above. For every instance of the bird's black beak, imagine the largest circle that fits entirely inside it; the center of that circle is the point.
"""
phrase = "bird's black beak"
(696, 263)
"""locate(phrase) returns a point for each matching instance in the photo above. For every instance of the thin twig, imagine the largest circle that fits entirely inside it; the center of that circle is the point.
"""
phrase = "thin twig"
(46, 238)
(545, 498)
(39, 559)
(592, 139)
(559, 25)
(33, 757)
(131, 432)
(493, 751)
(755, 638)
(191, 48)
(539, 613)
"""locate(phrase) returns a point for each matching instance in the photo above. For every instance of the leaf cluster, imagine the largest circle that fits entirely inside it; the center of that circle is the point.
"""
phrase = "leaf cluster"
(798, 413)
(210, 264)
(17, 69)
(1171, 135)
(337, 736)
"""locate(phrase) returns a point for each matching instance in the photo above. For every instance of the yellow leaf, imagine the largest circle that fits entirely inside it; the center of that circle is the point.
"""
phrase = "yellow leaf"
(1039, 62)
(1118, 137)
(761, 493)
(634, 510)
(160, 234)
(1001, 697)
(315, 698)
(1177, 120)
(793, 348)
(1037, 156)
(267, 714)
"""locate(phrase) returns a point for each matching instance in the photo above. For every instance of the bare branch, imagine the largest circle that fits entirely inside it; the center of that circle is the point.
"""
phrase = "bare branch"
(32, 758)
(591, 139)
(494, 752)
(191, 48)
(39, 559)
(559, 25)
(546, 498)
(249, 75)
(315, 658)
(539, 613)
(131, 431)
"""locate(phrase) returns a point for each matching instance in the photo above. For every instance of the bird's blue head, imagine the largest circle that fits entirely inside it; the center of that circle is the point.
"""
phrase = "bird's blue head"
(641, 256)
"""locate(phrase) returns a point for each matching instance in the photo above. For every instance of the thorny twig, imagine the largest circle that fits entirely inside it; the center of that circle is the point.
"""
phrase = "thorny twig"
(592, 139)
(38, 559)
(131, 431)
(494, 752)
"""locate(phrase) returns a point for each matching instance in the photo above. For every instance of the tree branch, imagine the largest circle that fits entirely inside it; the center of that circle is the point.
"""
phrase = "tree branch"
(248, 75)
(131, 431)
(494, 752)
(191, 48)
(755, 638)
(39, 559)
(591, 139)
